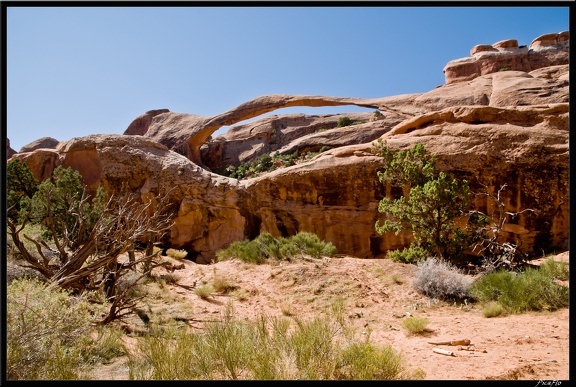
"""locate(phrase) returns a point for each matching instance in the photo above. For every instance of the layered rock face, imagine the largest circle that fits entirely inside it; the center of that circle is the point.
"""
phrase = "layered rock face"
(500, 128)
(546, 50)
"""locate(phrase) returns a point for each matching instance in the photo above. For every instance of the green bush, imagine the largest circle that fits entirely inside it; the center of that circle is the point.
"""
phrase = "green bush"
(344, 121)
(57, 205)
(441, 280)
(411, 254)
(265, 247)
(415, 325)
(310, 244)
(555, 270)
(365, 361)
(492, 309)
(531, 290)
(48, 332)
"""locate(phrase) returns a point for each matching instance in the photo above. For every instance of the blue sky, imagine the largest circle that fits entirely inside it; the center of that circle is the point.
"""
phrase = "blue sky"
(75, 71)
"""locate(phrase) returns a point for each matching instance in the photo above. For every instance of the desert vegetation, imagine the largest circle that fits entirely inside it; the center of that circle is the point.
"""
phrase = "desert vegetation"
(266, 163)
(91, 263)
(265, 247)
(267, 349)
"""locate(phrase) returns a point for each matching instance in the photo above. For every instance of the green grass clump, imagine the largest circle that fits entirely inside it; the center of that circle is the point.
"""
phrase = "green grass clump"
(204, 291)
(365, 361)
(415, 325)
(533, 289)
(266, 247)
(48, 333)
(222, 284)
(555, 270)
(492, 309)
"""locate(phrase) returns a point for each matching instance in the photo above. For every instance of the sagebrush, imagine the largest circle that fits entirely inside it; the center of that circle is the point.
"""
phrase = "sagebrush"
(440, 279)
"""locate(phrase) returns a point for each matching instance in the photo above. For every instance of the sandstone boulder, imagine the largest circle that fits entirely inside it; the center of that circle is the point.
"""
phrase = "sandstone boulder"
(41, 143)
(141, 123)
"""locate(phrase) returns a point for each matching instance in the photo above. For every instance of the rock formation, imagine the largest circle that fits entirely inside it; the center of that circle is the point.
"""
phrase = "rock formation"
(9, 151)
(506, 55)
(141, 124)
(498, 128)
(41, 143)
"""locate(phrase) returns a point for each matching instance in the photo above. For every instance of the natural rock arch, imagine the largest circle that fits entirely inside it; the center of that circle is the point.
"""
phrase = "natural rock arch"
(263, 105)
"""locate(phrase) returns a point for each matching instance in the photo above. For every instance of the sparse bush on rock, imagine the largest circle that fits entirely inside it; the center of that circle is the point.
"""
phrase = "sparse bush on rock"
(344, 121)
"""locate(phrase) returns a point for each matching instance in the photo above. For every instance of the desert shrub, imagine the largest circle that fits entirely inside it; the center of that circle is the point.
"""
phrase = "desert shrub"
(435, 200)
(266, 247)
(365, 361)
(240, 294)
(20, 184)
(415, 324)
(492, 309)
(344, 121)
(204, 291)
(533, 289)
(439, 279)
(286, 159)
(246, 251)
(48, 332)
(310, 244)
(555, 270)
(176, 254)
(314, 347)
(170, 354)
(412, 254)
(222, 284)
(83, 235)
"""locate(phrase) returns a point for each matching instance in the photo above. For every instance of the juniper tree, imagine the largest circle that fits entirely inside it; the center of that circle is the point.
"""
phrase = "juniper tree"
(430, 210)
(85, 233)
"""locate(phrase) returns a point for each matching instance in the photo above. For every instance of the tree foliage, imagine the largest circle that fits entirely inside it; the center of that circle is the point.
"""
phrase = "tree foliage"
(21, 185)
(435, 202)
(84, 235)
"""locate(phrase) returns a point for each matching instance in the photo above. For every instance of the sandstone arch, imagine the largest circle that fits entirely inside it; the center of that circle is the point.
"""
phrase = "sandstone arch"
(263, 105)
